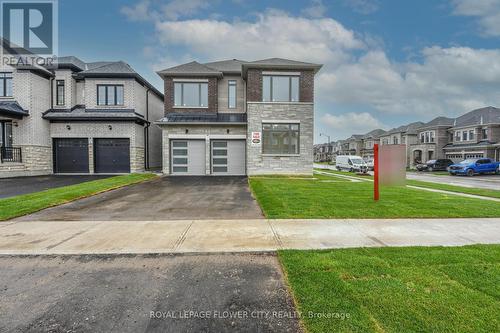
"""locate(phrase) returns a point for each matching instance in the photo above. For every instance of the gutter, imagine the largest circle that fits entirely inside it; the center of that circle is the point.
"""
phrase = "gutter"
(146, 133)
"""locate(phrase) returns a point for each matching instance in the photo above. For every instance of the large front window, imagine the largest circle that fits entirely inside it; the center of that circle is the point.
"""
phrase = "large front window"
(280, 138)
(5, 84)
(109, 94)
(190, 94)
(278, 88)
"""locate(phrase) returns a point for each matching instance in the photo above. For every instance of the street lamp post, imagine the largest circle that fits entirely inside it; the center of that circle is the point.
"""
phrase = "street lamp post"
(322, 134)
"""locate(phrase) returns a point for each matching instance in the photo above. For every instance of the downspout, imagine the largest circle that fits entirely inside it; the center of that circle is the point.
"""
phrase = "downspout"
(146, 133)
(51, 93)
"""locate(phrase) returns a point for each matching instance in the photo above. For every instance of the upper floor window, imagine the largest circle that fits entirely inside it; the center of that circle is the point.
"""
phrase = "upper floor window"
(5, 84)
(395, 140)
(109, 94)
(457, 136)
(427, 137)
(471, 134)
(464, 135)
(231, 94)
(280, 88)
(60, 92)
(190, 94)
(485, 133)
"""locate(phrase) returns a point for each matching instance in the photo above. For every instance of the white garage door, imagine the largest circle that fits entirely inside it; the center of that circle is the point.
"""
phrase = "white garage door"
(228, 157)
(187, 157)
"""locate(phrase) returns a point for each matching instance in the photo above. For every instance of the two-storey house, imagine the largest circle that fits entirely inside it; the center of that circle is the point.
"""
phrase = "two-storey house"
(368, 142)
(76, 117)
(432, 138)
(235, 117)
(475, 135)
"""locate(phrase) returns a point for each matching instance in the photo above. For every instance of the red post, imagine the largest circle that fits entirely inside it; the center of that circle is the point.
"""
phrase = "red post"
(376, 193)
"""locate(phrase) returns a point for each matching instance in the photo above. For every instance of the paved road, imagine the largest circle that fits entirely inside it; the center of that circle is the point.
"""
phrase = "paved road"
(10, 187)
(491, 182)
(166, 198)
(118, 293)
(483, 181)
(140, 237)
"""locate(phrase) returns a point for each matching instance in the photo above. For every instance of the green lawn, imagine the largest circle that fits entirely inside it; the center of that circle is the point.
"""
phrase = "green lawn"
(30, 203)
(454, 289)
(445, 187)
(333, 197)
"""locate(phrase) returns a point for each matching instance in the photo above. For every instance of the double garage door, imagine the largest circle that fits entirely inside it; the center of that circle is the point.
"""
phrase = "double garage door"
(188, 157)
(110, 155)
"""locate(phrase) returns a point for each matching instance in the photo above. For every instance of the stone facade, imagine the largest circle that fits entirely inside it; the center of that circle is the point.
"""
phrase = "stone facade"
(302, 113)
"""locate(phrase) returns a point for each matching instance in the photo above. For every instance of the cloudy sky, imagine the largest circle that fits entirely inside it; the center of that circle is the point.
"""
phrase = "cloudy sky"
(386, 62)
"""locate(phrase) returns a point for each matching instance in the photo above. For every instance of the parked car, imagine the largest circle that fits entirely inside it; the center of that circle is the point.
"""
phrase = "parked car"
(471, 167)
(435, 165)
(351, 163)
(369, 164)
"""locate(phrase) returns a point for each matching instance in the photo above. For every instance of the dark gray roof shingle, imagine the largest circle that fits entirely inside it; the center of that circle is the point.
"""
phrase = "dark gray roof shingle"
(374, 134)
(483, 116)
(81, 113)
(12, 109)
(227, 66)
(439, 121)
(192, 68)
(200, 117)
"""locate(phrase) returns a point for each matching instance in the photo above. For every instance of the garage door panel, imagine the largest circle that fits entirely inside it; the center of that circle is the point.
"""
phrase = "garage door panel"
(228, 157)
(71, 155)
(187, 157)
(112, 155)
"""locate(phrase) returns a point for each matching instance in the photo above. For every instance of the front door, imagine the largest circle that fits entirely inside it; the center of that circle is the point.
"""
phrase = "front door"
(6, 134)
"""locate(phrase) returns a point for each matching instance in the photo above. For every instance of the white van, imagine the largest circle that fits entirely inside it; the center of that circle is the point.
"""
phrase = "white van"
(351, 163)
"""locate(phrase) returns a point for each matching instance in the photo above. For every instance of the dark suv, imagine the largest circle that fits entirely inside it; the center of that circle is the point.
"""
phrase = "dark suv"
(435, 165)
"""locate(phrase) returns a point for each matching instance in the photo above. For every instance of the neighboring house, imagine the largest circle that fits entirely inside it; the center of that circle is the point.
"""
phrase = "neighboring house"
(432, 138)
(352, 145)
(403, 135)
(77, 117)
(475, 135)
(325, 152)
(368, 142)
(235, 117)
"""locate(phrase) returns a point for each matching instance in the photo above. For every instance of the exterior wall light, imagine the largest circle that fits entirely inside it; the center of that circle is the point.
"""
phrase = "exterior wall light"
(187, 131)
(110, 127)
(68, 127)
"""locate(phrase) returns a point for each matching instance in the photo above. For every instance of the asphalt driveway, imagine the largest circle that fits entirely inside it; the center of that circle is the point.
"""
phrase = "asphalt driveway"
(144, 294)
(165, 198)
(10, 187)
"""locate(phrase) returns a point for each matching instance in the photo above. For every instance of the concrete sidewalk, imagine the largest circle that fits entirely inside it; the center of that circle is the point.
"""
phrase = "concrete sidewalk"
(139, 237)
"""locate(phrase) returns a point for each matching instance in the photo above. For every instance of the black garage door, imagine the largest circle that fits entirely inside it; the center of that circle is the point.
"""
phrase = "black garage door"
(112, 155)
(71, 155)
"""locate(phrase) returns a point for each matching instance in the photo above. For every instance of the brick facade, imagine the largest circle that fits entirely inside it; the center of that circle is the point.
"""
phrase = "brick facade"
(212, 96)
(254, 85)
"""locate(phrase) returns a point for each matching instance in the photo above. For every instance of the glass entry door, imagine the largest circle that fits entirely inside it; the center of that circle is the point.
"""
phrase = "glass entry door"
(5, 134)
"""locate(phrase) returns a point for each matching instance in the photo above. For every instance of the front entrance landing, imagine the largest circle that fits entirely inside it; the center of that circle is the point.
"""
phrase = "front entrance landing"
(166, 198)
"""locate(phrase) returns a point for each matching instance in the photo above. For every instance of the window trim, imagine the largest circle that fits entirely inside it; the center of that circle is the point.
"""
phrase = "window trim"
(182, 83)
(61, 83)
(289, 132)
(289, 88)
(106, 100)
(231, 83)
(6, 76)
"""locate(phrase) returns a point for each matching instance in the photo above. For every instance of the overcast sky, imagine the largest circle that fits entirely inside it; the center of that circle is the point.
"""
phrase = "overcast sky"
(386, 62)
